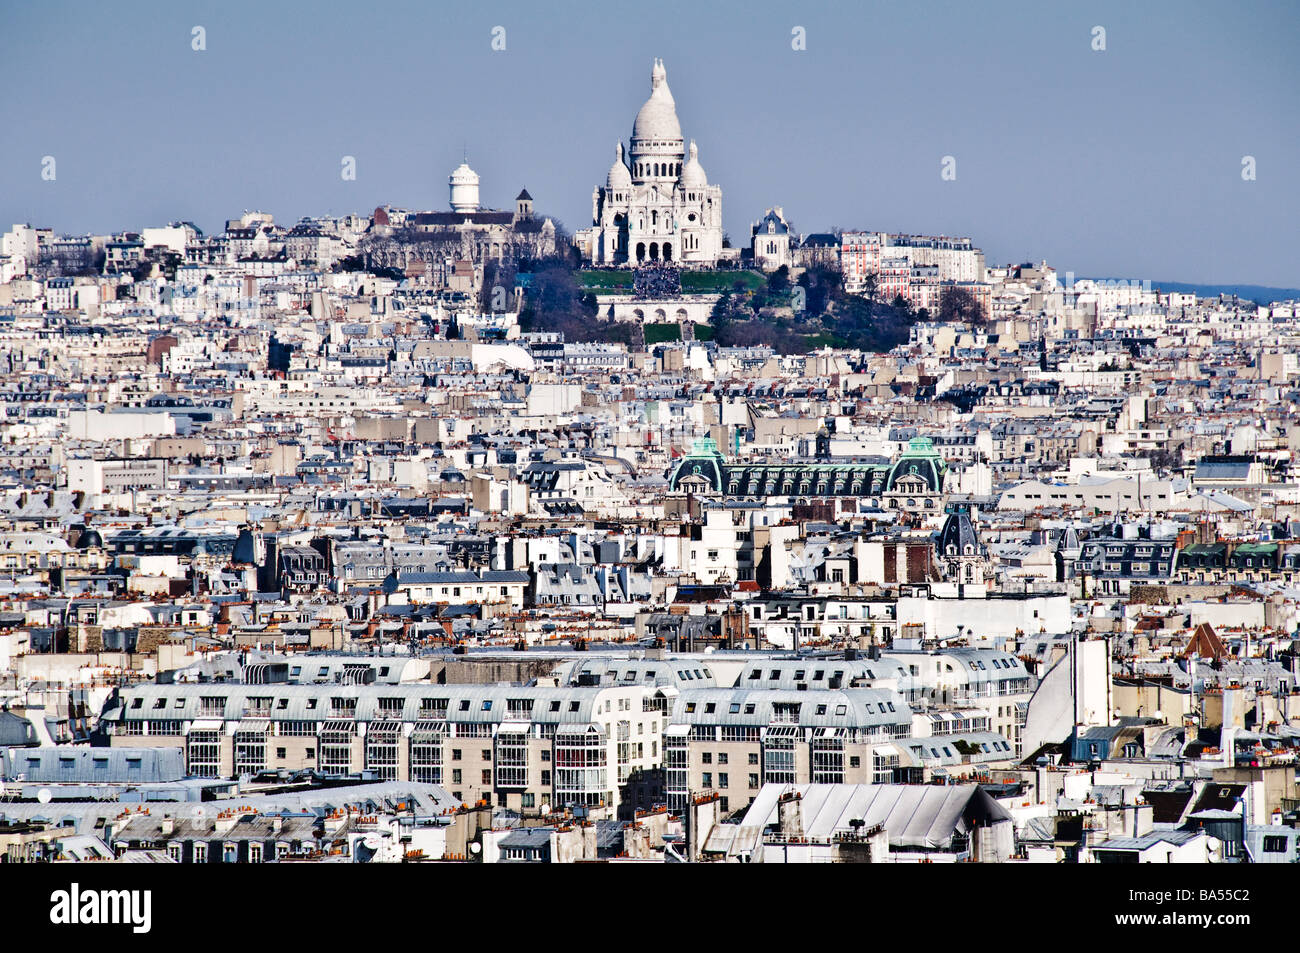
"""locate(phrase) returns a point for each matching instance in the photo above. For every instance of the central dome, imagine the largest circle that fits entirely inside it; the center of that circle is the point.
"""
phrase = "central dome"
(658, 117)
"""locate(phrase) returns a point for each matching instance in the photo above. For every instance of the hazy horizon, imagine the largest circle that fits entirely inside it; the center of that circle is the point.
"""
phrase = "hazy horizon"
(1124, 163)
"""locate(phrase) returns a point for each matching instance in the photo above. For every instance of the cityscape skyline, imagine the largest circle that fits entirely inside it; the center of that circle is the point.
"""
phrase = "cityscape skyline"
(896, 462)
(239, 134)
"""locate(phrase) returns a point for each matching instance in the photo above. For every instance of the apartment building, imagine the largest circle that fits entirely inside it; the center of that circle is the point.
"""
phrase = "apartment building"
(522, 747)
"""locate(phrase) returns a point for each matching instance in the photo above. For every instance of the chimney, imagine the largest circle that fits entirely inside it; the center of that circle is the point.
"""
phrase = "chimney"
(789, 809)
(168, 826)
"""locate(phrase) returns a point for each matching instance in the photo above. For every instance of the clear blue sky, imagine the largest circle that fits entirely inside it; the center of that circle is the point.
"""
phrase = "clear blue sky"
(1124, 163)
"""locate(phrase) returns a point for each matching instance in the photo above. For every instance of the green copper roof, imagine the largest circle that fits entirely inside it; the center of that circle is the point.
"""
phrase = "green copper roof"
(705, 447)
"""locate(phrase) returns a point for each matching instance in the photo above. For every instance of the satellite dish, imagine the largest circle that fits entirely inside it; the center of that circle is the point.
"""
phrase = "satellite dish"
(474, 848)
(45, 795)
(372, 841)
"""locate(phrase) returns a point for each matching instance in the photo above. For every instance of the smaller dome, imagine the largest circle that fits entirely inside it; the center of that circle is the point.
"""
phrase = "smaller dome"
(619, 177)
(693, 176)
(90, 539)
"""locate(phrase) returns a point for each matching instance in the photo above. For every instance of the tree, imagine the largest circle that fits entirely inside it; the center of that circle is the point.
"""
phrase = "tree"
(778, 282)
(957, 304)
(822, 284)
(870, 286)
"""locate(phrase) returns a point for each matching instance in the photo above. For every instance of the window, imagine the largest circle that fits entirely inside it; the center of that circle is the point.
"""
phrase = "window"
(203, 753)
(1274, 844)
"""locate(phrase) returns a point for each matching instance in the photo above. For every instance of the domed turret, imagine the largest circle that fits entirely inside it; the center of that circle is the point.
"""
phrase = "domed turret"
(657, 144)
(464, 189)
(693, 176)
(619, 177)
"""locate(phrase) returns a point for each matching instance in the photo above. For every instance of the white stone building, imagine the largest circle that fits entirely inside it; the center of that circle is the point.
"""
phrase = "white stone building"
(770, 241)
(657, 205)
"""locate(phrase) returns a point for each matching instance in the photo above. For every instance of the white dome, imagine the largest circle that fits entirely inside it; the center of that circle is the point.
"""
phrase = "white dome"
(693, 176)
(463, 175)
(619, 177)
(658, 117)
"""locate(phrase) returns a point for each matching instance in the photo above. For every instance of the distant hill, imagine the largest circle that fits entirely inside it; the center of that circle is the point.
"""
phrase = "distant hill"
(1260, 294)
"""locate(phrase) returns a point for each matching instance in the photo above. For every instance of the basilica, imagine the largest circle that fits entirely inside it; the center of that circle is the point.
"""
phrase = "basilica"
(656, 204)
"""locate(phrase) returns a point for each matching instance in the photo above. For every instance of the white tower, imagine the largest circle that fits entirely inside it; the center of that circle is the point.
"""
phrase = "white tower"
(464, 189)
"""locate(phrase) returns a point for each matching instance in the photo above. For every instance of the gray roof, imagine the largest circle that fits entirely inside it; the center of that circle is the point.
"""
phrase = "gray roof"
(643, 671)
(424, 800)
(922, 817)
(815, 673)
(1177, 838)
(465, 703)
(67, 764)
(852, 708)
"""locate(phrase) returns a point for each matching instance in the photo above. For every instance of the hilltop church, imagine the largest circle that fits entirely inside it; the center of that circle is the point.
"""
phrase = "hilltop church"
(657, 203)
